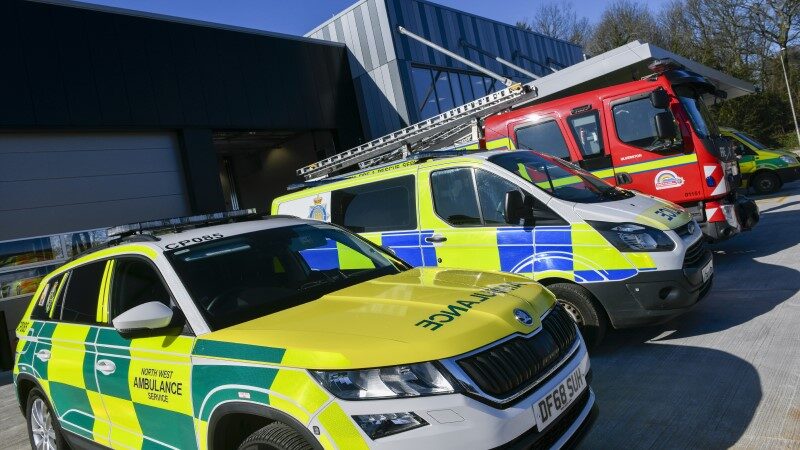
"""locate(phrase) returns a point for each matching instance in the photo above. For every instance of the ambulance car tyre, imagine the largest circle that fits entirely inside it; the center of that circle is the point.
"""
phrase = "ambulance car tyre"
(275, 436)
(584, 309)
(766, 182)
(43, 429)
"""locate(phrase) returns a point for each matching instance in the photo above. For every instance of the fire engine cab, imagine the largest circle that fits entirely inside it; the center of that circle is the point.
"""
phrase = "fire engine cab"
(654, 135)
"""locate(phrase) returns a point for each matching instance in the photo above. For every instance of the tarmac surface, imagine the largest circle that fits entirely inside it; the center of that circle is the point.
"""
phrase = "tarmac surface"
(726, 374)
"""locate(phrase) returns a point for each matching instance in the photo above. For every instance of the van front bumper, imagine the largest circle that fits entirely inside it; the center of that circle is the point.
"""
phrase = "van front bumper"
(458, 421)
(650, 298)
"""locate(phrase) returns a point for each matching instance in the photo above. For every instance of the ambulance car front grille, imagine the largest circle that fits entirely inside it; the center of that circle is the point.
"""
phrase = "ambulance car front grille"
(694, 253)
(512, 366)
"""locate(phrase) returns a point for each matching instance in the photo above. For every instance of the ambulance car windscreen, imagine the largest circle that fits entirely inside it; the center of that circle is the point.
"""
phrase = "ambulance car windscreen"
(559, 178)
(245, 276)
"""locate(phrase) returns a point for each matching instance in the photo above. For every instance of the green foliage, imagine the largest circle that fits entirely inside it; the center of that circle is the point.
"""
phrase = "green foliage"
(765, 115)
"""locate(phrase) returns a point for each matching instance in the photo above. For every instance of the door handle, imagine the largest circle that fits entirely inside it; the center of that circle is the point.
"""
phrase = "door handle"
(105, 366)
(435, 238)
(43, 355)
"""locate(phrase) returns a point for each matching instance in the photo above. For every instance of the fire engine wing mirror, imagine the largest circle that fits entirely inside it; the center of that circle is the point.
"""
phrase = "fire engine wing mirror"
(518, 210)
(659, 99)
(623, 178)
(665, 126)
(147, 316)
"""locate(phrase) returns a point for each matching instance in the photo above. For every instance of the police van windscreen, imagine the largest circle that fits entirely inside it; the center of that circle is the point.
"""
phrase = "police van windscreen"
(559, 178)
(238, 278)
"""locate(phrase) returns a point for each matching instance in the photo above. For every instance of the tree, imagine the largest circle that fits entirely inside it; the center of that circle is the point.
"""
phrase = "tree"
(623, 21)
(560, 21)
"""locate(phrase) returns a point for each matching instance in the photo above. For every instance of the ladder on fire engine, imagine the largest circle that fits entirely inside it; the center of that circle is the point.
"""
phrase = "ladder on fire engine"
(462, 125)
(459, 125)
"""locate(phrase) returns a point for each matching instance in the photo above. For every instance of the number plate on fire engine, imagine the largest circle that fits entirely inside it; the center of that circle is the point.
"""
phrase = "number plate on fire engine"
(708, 270)
(558, 400)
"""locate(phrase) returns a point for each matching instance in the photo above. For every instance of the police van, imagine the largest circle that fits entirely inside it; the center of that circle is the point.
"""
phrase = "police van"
(281, 333)
(611, 256)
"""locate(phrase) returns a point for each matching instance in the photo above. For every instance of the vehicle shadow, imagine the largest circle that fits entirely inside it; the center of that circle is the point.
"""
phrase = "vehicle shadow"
(6, 378)
(656, 395)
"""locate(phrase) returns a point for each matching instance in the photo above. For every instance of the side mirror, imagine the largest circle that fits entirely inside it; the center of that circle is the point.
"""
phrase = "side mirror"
(665, 126)
(623, 178)
(147, 316)
(518, 209)
(659, 99)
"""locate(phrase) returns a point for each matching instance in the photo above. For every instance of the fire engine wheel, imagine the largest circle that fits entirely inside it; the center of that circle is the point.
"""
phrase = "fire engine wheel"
(584, 309)
(766, 182)
(275, 436)
(43, 429)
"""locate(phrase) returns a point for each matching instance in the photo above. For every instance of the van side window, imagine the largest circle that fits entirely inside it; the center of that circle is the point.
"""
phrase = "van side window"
(82, 292)
(586, 130)
(133, 283)
(454, 197)
(492, 195)
(355, 207)
(48, 300)
(635, 123)
(543, 137)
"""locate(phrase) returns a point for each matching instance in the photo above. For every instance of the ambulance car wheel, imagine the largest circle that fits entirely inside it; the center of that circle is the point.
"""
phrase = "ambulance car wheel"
(584, 309)
(43, 429)
(275, 436)
(766, 182)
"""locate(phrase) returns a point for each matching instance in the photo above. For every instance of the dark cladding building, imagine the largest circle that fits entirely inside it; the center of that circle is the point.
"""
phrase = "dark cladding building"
(400, 81)
(110, 117)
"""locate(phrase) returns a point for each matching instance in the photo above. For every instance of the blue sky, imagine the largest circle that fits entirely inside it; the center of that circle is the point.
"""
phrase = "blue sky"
(299, 16)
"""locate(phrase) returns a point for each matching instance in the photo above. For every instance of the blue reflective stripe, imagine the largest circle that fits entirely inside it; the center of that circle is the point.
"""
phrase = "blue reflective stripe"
(411, 246)
(525, 249)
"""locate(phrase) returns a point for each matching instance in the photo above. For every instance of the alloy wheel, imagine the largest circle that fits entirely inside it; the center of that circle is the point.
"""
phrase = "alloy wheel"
(44, 433)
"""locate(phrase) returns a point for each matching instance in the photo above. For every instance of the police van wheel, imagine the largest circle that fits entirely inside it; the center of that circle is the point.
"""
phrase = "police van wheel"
(43, 429)
(275, 436)
(584, 309)
(766, 183)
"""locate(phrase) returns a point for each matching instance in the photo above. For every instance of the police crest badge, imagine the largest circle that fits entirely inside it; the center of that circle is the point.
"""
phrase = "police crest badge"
(319, 210)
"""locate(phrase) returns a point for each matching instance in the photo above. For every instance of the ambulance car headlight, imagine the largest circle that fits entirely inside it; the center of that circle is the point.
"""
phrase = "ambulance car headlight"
(633, 237)
(381, 425)
(412, 380)
(789, 160)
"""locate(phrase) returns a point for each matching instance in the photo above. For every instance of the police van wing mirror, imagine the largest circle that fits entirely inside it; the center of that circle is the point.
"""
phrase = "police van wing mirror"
(665, 126)
(145, 317)
(659, 99)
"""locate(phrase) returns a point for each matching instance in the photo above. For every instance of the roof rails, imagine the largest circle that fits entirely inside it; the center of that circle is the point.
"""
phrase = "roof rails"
(180, 222)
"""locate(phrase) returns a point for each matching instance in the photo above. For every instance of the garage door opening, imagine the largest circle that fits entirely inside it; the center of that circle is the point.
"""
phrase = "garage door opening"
(257, 166)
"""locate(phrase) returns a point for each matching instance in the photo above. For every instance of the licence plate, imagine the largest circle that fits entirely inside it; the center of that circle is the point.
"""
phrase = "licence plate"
(558, 400)
(708, 270)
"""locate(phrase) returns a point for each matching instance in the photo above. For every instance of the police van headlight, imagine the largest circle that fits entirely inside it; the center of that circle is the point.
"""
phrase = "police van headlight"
(411, 380)
(633, 237)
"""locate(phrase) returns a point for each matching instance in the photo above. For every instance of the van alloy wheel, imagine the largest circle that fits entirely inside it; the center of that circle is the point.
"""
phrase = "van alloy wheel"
(44, 434)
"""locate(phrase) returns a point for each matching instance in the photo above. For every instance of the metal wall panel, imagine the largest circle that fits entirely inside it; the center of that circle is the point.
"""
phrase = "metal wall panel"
(378, 52)
(59, 182)
(80, 68)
